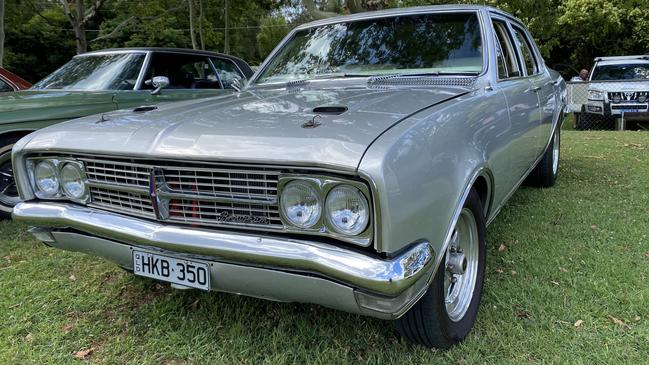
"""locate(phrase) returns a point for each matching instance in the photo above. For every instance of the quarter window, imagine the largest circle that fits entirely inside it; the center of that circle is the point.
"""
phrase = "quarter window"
(228, 71)
(4, 87)
(526, 50)
(507, 61)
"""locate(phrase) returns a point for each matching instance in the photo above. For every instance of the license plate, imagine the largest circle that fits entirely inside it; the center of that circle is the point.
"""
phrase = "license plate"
(194, 274)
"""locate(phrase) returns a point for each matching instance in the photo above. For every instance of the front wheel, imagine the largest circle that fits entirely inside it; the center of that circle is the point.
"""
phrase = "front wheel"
(447, 312)
(8, 191)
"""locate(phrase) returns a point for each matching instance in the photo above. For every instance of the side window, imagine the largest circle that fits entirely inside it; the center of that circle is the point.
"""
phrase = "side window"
(183, 70)
(526, 50)
(228, 71)
(507, 60)
(4, 87)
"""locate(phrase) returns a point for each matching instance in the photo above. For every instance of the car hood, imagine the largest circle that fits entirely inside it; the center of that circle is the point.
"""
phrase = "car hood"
(32, 105)
(256, 126)
(610, 86)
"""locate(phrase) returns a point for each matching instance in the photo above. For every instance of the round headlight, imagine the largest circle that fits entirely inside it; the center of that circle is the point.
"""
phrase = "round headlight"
(46, 179)
(347, 210)
(300, 204)
(72, 180)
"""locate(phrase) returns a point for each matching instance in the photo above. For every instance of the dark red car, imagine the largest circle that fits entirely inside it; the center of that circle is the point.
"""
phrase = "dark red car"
(11, 82)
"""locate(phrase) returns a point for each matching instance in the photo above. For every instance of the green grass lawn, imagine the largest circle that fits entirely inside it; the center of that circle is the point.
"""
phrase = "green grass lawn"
(567, 282)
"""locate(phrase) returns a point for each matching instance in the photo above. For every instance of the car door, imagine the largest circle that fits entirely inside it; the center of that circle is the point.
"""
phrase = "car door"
(191, 76)
(542, 85)
(522, 101)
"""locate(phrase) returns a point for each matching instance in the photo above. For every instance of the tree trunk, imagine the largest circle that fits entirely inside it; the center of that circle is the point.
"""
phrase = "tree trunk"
(201, 18)
(2, 30)
(80, 27)
(191, 24)
(226, 47)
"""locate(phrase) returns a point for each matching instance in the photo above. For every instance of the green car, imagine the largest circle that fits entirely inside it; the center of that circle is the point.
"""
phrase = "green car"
(103, 81)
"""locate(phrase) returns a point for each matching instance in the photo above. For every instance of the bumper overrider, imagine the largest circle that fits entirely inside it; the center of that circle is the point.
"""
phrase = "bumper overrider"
(255, 265)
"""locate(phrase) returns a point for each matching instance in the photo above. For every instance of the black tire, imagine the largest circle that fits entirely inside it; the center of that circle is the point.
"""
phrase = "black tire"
(6, 175)
(545, 173)
(428, 322)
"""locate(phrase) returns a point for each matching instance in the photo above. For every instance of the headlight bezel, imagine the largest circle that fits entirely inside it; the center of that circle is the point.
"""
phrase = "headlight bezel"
(323, 185)
(59, 163)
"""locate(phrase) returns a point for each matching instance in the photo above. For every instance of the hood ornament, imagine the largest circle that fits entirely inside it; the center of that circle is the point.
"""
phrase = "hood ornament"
(313, 123)
(102, 119)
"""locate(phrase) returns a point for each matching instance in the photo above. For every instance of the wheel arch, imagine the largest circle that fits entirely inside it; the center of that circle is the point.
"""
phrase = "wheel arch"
(15, 133)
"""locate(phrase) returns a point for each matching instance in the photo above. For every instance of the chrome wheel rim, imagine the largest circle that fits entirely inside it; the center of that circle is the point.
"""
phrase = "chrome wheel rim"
(8, 191)
(460, 282)
(555, 153)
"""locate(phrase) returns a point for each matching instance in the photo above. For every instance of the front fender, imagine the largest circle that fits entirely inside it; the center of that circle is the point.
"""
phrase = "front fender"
(422, 169)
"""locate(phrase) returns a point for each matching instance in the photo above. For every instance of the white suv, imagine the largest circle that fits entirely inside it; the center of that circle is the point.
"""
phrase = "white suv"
(619, 88)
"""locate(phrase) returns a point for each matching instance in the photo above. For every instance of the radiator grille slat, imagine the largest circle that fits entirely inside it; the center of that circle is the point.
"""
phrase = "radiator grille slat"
(191, 187)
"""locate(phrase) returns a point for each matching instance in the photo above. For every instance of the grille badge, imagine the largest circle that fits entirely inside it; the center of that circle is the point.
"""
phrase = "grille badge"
(157, 183)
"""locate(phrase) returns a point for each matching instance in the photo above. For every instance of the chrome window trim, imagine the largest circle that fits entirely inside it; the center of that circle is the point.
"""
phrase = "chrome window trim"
(216, 72)
(145, 66)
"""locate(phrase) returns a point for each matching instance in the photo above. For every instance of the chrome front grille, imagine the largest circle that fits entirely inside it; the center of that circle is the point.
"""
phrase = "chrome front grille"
(124, 202)
(218, 195)
(123, 173)
(227, 182)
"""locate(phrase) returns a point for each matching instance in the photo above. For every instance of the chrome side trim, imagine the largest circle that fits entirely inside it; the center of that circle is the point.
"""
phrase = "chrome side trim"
(388, 277)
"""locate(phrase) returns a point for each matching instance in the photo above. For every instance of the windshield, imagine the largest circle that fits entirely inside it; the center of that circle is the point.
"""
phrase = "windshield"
(629, 71)
(96, 72)
(413, 44)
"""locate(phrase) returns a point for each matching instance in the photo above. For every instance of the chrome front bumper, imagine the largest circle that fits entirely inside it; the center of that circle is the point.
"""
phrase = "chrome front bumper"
(302, 271)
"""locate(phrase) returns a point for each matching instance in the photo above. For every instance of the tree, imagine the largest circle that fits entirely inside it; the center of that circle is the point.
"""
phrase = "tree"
(273, 30)
(2, 30)
(78, 18)
(192, 17)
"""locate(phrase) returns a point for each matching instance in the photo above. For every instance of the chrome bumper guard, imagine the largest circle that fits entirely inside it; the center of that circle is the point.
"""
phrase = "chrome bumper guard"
(360, 283)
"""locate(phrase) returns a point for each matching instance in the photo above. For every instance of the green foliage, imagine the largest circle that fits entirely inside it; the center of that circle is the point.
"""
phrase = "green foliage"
(273, 29)
(37, 44)
(39, 38)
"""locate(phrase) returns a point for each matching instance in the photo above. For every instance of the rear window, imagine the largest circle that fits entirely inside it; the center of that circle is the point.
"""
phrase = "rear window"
(628, 71)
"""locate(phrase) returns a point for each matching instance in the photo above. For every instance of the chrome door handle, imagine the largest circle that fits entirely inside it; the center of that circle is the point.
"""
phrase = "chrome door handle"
(533, 89)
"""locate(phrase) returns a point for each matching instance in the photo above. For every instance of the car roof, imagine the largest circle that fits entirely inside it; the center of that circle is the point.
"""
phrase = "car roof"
(156, 49)
(619, 60)
(243, 65)
(407, 11)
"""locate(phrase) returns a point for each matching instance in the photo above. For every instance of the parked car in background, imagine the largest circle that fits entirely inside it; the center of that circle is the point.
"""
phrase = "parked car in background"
(10, 82)
(102, 81)
(357, 169)
(618, 88)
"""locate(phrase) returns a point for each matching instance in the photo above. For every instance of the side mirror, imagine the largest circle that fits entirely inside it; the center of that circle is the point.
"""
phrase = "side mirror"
(159, 83)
